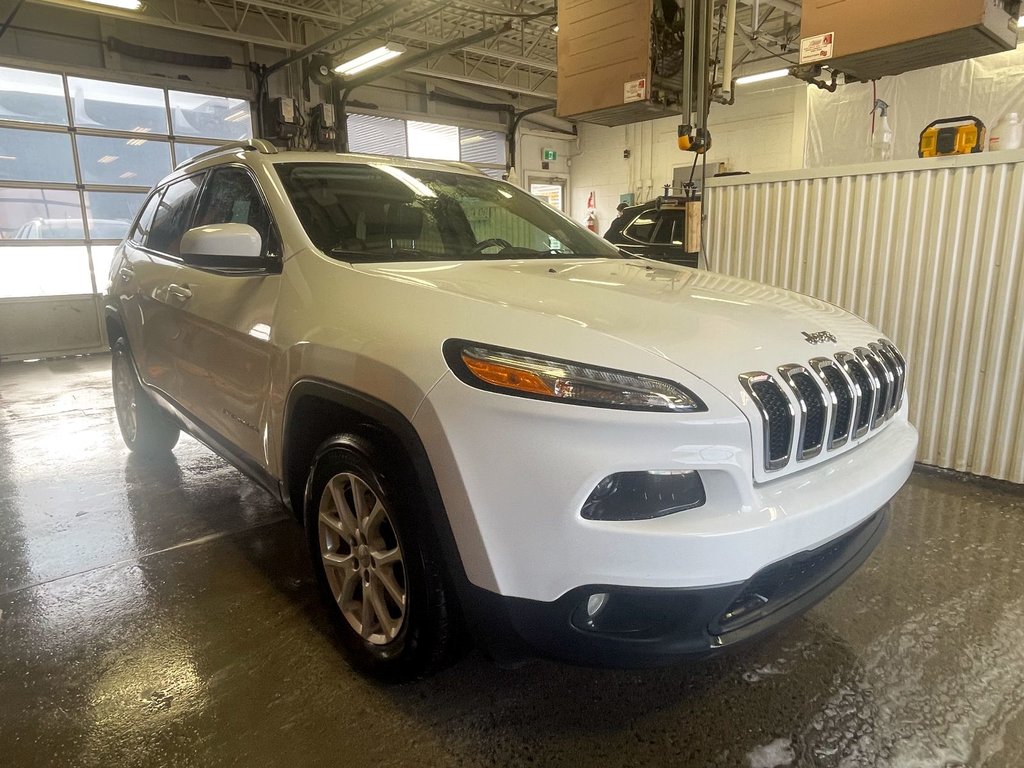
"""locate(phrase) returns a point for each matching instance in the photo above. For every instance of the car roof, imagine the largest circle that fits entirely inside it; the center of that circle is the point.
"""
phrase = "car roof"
(259, 152)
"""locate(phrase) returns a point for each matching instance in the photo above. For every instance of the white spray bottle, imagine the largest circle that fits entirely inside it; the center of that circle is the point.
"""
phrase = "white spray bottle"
(881, 138)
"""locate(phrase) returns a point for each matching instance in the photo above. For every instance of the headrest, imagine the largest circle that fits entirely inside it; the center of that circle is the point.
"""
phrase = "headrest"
(405, 222)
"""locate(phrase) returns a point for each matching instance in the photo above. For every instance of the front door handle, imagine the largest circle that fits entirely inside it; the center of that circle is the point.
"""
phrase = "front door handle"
(179, 291)
(125, 273)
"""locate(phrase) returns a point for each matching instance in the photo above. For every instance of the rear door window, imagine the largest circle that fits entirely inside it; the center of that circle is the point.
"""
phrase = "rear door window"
(670, 228)
(145, 221)
(643, 226)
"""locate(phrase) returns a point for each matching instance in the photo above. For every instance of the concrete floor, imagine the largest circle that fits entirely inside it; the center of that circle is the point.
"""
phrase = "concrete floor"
(165, 615)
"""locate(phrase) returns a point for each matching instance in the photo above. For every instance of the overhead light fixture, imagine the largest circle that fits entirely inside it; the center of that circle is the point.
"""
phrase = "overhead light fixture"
(773, 75)
(1020, 22)
(371, 58)
(107, 159)
(125, 5)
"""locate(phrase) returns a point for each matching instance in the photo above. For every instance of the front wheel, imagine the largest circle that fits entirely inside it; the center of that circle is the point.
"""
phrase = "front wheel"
(145, 429)
(375, 564)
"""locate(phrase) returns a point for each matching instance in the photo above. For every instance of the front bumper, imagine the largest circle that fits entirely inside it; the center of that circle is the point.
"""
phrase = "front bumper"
(651, 627)
(514, 475)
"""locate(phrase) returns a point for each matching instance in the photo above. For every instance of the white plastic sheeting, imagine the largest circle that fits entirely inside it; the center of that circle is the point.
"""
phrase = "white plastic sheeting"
(930, 251)
(839, 124)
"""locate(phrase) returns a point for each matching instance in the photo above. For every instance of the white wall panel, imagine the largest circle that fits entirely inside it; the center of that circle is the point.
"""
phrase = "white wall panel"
(932, 253)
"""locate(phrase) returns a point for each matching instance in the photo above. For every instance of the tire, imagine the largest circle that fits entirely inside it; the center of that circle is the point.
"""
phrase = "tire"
(376, 564)
(145, 429)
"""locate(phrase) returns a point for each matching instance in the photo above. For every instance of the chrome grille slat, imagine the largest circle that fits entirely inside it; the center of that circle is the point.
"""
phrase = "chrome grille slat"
(777, 416)
(813, 410)
(882, 381)
(837, 400)
(865, 390)
(843, 400)
(899, 366)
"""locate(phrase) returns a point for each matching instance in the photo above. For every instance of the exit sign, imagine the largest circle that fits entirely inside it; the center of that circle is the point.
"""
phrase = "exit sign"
(549, 154)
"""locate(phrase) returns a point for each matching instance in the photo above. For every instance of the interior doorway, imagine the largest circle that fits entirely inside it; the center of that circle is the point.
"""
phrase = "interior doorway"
(551, 191)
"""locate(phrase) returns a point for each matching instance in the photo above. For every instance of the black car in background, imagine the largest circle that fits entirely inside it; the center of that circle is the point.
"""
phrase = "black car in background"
(652, 232)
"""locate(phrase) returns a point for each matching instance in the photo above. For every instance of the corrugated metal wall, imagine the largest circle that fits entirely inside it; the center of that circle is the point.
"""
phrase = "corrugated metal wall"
(931, 253)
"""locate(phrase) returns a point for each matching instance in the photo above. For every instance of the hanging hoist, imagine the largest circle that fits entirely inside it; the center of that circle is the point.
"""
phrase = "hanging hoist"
(695, 100)
(693, 134)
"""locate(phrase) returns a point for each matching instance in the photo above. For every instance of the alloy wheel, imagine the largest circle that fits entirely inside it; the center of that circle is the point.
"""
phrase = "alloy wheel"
(124, 397)
(362, 559)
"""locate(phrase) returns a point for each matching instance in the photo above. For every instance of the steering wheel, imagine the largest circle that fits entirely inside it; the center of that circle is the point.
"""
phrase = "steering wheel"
(491, 242)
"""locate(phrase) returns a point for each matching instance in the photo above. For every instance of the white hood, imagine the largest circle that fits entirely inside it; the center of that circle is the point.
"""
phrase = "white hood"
(712, 325)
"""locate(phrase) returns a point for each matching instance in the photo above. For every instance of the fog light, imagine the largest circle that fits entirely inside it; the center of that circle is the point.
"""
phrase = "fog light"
(595, 604)
(644, 495)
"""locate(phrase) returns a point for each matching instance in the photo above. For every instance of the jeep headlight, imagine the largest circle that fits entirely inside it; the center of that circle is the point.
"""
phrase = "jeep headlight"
(520, 373)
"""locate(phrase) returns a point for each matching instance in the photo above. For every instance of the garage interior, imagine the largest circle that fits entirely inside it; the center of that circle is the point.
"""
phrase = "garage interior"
(163, 613)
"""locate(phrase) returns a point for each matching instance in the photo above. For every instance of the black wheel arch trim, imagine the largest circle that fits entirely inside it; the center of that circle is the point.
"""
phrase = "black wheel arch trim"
(405, 433)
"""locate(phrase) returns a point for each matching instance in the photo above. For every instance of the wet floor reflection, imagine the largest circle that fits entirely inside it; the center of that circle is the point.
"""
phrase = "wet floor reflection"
(174, 623)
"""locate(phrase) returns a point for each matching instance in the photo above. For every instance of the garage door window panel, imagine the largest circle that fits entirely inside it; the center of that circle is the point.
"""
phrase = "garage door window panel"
(35, 214)
(174, 215)
(232, 197)
(482, 147)
(44, 270)
(32, 97)
(103, 105)
(111, 213)
(375, 135)
(102, 255)
(433, 142)
(28, 155)
(186, 151)
(209, 117)
(121, 161)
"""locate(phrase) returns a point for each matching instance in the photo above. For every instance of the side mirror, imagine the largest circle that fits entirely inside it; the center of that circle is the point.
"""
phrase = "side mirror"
(222, 246)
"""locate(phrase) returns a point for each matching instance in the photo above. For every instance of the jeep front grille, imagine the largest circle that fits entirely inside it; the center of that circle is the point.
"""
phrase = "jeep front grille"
(822, 405)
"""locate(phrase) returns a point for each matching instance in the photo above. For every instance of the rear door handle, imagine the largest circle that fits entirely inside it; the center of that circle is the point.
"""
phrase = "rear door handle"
(125, 273)
(180, 291)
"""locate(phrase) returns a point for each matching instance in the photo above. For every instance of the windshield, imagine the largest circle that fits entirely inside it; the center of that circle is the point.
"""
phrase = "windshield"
(378, 212)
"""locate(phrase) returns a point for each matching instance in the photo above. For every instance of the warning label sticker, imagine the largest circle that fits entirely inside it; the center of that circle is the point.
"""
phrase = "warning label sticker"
(817, 48)
(634, 90)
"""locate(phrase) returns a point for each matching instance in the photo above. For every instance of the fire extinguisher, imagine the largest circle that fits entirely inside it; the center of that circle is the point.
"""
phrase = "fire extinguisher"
(591, 214)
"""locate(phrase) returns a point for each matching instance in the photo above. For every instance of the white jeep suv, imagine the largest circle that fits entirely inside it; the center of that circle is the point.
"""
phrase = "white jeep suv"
(489, 419)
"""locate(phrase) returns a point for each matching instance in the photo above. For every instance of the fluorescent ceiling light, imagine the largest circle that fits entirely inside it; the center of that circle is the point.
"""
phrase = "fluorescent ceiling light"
(106, 159)
(128, 5)
(774, 74)
(372, 58)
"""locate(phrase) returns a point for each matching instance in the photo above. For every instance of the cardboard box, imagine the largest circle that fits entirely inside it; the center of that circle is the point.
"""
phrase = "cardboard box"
(604, 61)
(868, 39)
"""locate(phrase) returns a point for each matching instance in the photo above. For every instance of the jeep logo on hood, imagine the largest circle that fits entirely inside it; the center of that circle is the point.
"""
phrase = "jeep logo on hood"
(820, 337)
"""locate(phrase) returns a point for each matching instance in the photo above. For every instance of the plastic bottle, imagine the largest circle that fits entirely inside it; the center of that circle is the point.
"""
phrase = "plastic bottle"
(1008, 133)
(881, 139)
